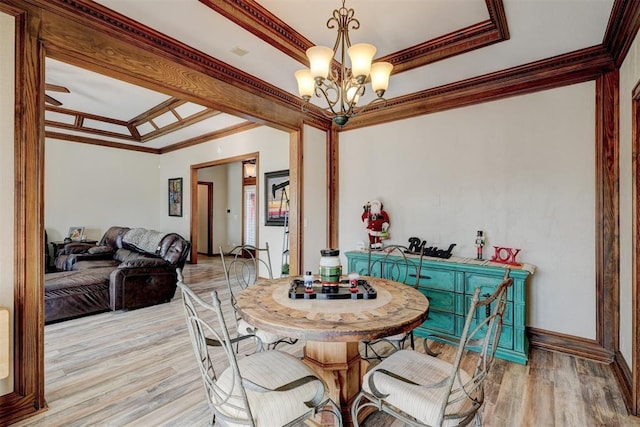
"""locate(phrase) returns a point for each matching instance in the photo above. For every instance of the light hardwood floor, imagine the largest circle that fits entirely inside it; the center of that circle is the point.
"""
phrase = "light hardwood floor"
(137, 368)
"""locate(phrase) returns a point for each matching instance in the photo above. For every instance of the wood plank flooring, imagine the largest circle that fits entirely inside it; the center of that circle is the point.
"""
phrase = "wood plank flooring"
(137, 368)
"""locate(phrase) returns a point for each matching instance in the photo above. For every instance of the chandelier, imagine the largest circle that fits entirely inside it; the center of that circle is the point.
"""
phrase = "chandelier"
(342, 87)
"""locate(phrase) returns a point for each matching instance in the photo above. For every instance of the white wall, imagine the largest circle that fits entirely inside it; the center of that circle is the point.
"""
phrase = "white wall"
(273, 148)
(97, 187)
(314, 222)
(521, 169)
(7, 101)
(629, 77)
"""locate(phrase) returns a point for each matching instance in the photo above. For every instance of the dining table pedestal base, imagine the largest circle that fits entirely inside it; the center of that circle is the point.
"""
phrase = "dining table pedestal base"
(339, 364)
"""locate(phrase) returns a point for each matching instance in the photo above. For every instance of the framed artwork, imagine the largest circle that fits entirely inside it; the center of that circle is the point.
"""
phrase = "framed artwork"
(175, 196)
(76, 233)
(276, 197)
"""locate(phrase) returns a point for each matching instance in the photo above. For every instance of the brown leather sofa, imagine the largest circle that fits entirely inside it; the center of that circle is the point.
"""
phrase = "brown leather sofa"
(127, 269)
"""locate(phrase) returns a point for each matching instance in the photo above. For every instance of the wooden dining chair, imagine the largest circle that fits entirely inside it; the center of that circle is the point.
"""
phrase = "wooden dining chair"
(242, 271)
(268, 388)
(423, 390)
(393, 264)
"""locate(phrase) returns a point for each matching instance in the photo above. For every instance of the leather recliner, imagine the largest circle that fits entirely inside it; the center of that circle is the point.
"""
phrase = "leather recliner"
(113, 275)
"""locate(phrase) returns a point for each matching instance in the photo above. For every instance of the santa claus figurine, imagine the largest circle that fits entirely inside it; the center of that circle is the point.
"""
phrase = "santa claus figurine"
(376, 221)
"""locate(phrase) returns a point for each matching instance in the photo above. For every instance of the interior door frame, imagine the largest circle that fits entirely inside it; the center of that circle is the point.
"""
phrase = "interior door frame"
(194, 194)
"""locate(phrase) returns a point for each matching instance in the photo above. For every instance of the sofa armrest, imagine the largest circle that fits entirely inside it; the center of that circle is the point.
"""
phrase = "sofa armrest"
(75, 258)
(135, 287)
(75, 248)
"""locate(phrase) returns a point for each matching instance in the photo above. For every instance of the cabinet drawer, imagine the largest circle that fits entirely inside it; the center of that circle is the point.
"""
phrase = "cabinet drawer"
(441, 300)
(437, 279)
(439, 321)
(506, 337)
(508, 311)
(487, 284)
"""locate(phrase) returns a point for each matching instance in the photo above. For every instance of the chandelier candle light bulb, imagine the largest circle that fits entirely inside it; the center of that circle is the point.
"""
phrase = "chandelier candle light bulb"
(320, 61)
(361, 55)
(342, 88)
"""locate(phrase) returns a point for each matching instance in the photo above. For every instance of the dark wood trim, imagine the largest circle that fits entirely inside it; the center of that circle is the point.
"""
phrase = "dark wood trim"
(100, 142)
(623, 377)
(251, 16)
(79, 126)
(333, 178)
(27, 396)
(222, 133)
(622, 28)
(607, 212)
(575, 67)
(634, 380)
(105, 38)
(193, 232)
(568, 344)
(209, 186)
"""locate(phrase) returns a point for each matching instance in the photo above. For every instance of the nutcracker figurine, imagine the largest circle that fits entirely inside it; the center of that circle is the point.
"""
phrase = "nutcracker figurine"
(479, 244)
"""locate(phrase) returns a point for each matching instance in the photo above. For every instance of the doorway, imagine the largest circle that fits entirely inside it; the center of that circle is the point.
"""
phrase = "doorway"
(227, 216)
(205, 217)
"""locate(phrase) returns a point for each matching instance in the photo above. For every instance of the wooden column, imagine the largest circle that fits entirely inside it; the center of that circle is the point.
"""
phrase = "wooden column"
(607, 212)
(28, 321)
(332, 187)
(295, 201)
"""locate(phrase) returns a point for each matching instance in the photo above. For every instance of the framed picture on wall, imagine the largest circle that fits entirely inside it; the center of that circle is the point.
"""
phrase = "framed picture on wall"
(276, 197)
(175, 196)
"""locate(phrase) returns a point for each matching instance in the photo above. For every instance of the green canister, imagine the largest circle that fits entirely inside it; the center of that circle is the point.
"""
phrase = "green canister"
(330, 267)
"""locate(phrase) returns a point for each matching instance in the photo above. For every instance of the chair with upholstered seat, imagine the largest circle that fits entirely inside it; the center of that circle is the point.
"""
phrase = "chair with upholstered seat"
(241, 272)
(394, 265)
(266, 388)
(422, 390)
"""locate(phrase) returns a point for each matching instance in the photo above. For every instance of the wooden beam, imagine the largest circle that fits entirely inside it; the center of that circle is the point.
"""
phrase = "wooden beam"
(100, 142)
(222, 133)
(259, 21)
(575, 67)
(112, 44)
(623, 26)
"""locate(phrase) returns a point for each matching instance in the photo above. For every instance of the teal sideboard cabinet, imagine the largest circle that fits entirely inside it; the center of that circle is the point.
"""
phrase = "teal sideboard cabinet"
(449, 285)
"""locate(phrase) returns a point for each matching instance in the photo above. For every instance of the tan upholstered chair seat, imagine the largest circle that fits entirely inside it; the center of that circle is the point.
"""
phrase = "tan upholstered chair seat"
(270, 369)
(422, 402)
(245, 328)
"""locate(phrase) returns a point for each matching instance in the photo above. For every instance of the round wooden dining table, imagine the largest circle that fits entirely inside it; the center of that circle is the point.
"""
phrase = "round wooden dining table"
(333, 328)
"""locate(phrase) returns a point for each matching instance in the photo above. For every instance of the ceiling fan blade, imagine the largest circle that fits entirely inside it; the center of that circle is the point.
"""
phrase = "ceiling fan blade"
(56, 88)
(52, 101)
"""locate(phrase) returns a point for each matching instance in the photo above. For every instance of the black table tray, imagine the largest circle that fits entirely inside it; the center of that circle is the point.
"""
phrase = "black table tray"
(365, 290)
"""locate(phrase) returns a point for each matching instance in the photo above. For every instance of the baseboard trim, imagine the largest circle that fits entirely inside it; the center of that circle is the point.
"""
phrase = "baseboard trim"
(569, 344)
(622, 373)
